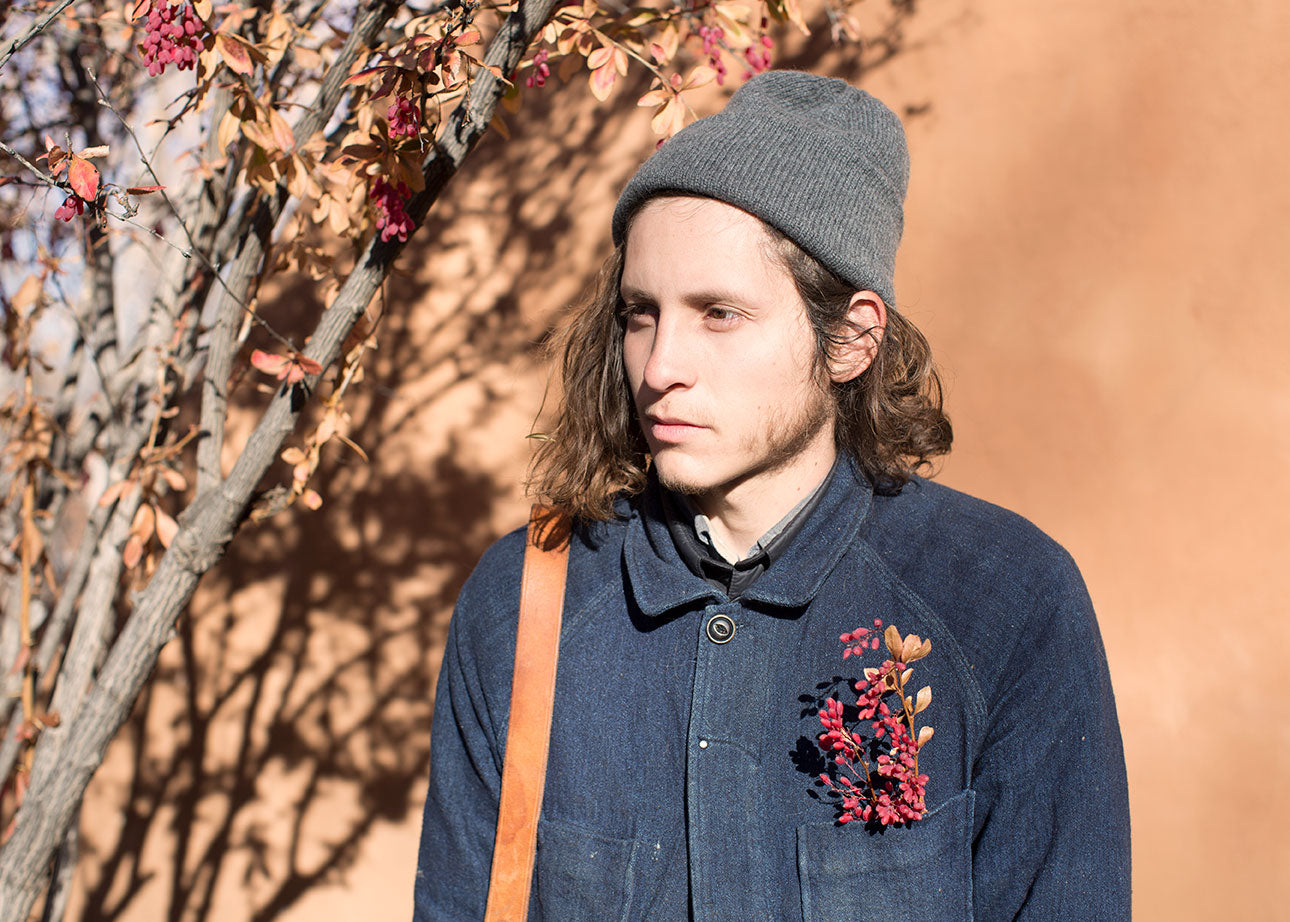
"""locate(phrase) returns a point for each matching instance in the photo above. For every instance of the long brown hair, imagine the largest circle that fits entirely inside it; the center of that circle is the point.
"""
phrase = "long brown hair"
(889, 419)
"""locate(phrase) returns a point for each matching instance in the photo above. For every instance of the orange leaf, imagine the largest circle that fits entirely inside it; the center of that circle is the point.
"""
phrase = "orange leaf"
(113, 492)
(145, 521)
(133, 552)
(167, 528)
(600, 57)
(308, 365)
(470, 37)
(84, 178)
(234, 53)
(669, 119)
(292, 455)
(363, 75)
(270, 363)
(602, 80)
(700, 76)
(143, 190)
(175, 480)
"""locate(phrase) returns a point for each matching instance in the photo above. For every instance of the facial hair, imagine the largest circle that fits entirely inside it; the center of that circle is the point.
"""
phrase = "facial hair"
(778, 442)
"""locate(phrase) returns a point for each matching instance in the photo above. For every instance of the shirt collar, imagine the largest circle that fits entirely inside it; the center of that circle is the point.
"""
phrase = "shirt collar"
(661, 580)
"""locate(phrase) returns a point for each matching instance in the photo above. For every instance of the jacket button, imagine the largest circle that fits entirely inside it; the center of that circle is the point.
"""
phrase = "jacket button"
(720, 629)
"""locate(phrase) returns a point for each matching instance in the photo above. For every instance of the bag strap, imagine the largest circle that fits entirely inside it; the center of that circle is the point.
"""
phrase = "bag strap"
(528, 732)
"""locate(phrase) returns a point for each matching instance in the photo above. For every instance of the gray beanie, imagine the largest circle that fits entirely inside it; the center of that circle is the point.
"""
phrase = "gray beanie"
(817, 159)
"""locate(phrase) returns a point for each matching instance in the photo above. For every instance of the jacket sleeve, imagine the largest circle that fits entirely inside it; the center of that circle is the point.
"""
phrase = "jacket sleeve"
(467, 741)
(1051, 835)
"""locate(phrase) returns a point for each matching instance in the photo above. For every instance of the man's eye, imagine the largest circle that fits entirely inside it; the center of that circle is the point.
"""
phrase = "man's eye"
(721, 315)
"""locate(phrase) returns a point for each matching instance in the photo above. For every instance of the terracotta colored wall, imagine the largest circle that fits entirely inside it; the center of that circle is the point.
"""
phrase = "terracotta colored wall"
(1095, 246)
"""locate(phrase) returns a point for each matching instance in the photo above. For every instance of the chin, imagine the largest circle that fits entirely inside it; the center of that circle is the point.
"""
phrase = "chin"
(683, 475)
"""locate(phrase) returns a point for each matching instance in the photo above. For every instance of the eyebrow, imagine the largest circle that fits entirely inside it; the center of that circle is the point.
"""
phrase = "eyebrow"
(709, 296)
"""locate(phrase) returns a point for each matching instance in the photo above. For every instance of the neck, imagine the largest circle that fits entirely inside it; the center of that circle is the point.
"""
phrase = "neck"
(741, 513)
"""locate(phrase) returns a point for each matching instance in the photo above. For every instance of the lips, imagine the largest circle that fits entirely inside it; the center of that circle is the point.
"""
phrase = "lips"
(670, 429)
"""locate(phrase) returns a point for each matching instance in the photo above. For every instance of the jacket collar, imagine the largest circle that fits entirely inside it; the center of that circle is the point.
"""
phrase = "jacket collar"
(661, 582)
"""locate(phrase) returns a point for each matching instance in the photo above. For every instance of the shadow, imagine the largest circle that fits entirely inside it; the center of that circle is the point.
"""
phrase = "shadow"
(292, 716)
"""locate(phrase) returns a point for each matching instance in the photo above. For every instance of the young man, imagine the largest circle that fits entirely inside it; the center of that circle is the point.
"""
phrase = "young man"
(742, 416)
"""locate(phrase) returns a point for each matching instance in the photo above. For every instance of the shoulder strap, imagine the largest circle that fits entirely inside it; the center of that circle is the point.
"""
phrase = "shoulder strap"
(528, 733)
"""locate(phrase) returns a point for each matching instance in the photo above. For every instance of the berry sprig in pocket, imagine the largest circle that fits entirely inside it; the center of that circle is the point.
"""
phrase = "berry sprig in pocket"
(874, 744)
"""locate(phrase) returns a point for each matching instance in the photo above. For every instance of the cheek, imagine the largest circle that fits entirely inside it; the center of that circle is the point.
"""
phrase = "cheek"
(635, 354)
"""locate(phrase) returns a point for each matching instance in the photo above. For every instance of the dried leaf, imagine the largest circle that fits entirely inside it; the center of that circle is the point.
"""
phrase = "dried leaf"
(915, 648)
(133, 552)
(234, 53)
(894, 642)
(292, 455)
(308, 365)
(91, 152)
(28, 295)
(167, 528)
(364, 75)
(923, 700)
(175, 480)
(145, 522)
(114, 491)
(281, 131)
(311, 499)
(924, 735)
(143, 190)
(84, 178)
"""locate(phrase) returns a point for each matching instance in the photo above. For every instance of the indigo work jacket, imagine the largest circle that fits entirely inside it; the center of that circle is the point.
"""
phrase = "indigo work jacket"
(683, 776)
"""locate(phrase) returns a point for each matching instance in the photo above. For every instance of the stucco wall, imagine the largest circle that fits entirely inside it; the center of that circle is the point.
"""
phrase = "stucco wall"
(1095, 245)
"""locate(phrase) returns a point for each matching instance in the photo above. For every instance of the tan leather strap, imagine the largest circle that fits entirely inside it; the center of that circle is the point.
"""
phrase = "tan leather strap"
(528, 733)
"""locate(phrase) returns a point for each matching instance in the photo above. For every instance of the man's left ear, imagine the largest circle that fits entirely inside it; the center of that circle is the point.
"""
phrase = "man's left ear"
(857, 341)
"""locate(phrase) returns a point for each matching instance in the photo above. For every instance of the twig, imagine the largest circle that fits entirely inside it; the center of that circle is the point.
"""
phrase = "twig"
(193, 248)
(35, 170)
(32, 31)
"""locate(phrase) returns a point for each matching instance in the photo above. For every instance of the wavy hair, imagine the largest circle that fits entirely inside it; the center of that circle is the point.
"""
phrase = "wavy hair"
(889, 419)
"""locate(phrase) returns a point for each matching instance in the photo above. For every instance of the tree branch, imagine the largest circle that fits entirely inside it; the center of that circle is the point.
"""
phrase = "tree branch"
(32, 31)
(61, 773)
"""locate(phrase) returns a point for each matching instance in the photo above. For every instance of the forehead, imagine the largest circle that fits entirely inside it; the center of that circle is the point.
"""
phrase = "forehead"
(682, 239)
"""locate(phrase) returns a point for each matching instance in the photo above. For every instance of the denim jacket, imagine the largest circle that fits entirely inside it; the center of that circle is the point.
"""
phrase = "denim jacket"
(682, 780)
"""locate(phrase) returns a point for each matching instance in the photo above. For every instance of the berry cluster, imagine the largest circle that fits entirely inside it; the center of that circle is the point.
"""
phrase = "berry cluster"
(712, 38)
(404, 117)
(541, 70)
(877, 778)
(171, 39)
(758, 56)
(392, 221)
(72, 206)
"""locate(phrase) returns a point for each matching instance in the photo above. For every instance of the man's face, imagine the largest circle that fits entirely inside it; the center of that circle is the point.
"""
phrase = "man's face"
(720, 356)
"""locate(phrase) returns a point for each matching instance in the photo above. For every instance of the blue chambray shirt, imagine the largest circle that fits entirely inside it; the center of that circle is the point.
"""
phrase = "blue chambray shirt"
(681, 781)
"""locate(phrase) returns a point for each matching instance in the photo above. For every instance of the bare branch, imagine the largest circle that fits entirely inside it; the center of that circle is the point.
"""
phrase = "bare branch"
(65, 763)
(32, 31)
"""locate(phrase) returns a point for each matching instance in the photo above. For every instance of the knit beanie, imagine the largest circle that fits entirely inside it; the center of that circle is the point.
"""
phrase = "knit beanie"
(822, 162)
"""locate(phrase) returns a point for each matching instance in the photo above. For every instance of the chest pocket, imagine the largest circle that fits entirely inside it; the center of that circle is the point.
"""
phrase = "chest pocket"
(581, 874)
(922, 873)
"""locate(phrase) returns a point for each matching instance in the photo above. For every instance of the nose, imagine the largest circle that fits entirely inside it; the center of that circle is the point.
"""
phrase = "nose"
(670, 363)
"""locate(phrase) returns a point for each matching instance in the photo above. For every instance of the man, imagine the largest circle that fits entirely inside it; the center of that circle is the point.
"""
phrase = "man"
(743, 412)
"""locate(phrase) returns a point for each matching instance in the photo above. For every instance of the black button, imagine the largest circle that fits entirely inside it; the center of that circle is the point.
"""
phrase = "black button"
(720, 629)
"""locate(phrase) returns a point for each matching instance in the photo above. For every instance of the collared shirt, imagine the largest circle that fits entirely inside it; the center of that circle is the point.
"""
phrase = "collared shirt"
(692, 532)
(683, 780)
